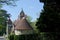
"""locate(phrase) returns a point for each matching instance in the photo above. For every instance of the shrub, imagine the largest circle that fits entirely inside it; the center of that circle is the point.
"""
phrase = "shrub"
(25, 37)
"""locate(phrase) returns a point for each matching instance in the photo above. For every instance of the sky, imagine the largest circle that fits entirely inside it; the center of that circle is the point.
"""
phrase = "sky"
(30, 7)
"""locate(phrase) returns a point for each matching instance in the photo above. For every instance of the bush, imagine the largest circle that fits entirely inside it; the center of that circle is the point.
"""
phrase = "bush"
(11, 37)
(25, 37)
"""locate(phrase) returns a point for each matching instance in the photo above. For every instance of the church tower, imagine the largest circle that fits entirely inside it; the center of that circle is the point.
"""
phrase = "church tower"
(22, 26)
(22, 14)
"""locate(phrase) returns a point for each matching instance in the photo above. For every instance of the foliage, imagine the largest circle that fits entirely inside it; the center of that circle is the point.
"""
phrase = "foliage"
(29, 19)
(25, 37)
(34, 26)
(11, 37)
(8, 2)
(49, 20)
(32, 23)
(3, 19)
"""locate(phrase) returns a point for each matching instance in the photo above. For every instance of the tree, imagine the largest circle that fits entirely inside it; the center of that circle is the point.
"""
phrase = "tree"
(29, 18)
(32, 23)
(8, 2)
(49, 20)
(34, 26)
(3, 19)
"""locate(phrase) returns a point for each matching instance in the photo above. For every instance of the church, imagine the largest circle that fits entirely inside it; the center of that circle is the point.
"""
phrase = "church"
(20, 26)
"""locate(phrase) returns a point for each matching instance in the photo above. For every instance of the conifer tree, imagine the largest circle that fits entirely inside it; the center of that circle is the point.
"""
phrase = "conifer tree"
(49, 20)
(3, 23)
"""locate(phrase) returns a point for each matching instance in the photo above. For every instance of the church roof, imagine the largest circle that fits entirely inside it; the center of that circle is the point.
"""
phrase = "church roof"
(22, 24)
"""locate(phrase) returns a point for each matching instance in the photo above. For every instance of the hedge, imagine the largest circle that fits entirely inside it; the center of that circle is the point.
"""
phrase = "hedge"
(25, 37)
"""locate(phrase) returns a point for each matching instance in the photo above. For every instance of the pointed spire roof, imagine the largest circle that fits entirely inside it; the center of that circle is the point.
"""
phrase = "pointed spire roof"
(22, 14)
(22, 24)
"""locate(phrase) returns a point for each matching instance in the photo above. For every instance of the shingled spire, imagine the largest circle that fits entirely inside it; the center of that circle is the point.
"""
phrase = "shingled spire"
(22, 14)
(22, 26)
(22, 23)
